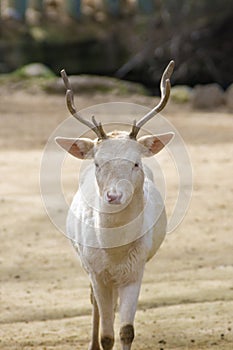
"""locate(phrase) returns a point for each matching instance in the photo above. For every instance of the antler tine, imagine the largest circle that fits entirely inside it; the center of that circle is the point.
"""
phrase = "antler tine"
(134, 131)
(97, 128)
(66, 80)
(100, 128)
(165, 87)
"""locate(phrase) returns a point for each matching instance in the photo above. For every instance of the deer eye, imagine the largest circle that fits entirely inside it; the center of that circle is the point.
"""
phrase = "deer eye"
(136, 165)
(96, 165)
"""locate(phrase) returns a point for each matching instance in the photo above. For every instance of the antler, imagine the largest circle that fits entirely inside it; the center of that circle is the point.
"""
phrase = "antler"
(165, 87)
(94, 125)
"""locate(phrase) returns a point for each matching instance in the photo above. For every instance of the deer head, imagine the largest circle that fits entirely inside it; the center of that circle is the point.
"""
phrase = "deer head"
(118, 156)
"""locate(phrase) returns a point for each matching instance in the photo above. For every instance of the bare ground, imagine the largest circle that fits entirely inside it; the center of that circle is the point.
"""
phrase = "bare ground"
(186, 300)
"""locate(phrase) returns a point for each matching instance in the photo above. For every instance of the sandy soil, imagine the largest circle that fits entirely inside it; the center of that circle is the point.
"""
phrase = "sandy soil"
(186, 300)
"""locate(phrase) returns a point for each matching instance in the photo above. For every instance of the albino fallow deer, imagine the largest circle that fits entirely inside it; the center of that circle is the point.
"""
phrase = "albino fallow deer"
(117, 219)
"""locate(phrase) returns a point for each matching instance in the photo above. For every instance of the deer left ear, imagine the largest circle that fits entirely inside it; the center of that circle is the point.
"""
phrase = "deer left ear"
(154, 144)
(81, 148)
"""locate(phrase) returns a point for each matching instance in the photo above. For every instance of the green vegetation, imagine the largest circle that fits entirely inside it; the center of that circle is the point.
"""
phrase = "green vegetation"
(37, 77)
(33, 70)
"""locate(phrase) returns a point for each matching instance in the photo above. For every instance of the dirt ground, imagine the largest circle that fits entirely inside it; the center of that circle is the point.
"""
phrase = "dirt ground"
(186, 300)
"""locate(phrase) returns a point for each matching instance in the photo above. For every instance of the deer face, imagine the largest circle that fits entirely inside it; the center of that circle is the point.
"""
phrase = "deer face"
(117, 161)
(119, 173)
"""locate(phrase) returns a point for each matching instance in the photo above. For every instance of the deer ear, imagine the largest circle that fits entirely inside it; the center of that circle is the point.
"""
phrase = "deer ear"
(81, 148)
(155, 143)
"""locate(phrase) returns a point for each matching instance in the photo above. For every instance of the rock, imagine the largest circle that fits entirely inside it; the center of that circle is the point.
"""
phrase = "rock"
(208, 96)
(229, 97)
(34, 70)
(94, 83)
(181, 94)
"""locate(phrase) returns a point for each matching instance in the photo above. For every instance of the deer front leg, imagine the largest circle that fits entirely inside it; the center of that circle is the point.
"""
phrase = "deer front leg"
(128, 305)
(105, 300)
(94, 345)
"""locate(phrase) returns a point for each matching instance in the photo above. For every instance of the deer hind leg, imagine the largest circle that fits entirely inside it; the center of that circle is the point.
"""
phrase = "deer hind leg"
(94, 345)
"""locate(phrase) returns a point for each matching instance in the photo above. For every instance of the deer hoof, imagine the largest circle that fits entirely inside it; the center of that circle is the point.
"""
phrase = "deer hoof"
(127, 334)
(107, 343)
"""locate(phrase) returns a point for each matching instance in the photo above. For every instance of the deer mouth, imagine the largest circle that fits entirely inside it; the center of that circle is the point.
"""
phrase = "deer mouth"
(113, 197)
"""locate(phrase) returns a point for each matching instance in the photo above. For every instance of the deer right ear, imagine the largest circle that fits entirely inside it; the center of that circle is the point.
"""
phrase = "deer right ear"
(81, 148)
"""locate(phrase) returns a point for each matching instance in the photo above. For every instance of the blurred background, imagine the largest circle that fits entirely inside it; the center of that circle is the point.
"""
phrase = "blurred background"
(129, 39)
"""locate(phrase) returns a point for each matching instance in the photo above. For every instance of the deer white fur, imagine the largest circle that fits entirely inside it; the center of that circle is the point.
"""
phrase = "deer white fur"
(116, 222)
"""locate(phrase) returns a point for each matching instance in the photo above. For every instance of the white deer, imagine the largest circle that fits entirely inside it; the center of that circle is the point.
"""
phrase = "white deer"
(117, 219)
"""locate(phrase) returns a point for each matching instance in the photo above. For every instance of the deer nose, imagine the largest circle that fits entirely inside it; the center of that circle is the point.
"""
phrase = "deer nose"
(114, 197)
